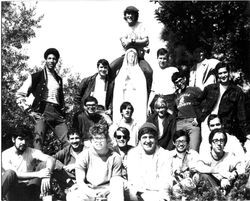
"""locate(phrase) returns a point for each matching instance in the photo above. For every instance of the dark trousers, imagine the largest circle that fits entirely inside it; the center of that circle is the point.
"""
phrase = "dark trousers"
(50, 119)
(14, 191)
(213, 181)
(64, 179)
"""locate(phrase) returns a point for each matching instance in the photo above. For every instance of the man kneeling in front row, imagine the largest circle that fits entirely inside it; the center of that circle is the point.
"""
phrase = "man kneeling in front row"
(19, 180)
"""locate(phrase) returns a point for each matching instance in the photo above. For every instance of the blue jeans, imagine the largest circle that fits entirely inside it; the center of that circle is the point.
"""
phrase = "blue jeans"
(50, 119)
(29, 191)
(193, 131)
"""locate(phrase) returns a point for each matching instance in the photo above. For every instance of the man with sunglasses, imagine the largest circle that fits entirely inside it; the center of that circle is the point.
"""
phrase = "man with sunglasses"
(122, 136)
(87, 117)
(220, 168)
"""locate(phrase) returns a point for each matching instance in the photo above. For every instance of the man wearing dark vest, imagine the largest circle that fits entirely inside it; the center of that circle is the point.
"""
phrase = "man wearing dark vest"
(48, 105)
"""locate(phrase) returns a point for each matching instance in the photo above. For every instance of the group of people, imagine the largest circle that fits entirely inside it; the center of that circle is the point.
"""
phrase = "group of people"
(136, 134)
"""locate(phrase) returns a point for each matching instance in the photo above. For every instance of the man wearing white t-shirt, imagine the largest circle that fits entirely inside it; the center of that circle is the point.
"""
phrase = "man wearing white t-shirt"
(134, 35)
(19, 180)
(162, 81)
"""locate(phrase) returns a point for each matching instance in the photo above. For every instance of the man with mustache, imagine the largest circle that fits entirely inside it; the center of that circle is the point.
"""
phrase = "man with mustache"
(19, 180)
(64, 171)
(48, 108)
(147, 167)
(227, 101)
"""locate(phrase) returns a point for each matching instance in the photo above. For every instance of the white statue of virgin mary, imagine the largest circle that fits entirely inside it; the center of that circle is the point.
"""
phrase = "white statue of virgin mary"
(130, 85)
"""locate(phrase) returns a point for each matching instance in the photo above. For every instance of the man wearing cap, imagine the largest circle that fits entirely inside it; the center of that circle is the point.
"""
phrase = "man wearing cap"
(48, 106)
(134, 35)
(147, 169)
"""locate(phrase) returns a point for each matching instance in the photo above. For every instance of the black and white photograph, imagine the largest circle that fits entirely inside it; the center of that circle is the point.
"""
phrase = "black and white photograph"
(125, 100)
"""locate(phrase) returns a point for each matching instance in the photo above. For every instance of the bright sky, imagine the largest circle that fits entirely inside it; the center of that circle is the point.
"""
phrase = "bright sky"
(86, 31)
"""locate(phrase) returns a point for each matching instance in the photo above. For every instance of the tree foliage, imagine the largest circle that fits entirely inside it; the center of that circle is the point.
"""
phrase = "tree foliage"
(18, 27)
(223, 27)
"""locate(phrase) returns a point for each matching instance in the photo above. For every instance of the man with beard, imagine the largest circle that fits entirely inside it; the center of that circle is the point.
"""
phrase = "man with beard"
(134, 36)
(87, 117)
(128, 122)
(19, 180)
(48, 108)
(98, 85)
(98, 170)
(147, 167)
(220, 168)
(227, 101)
(165, 123)
(188, 107)
(182, 163)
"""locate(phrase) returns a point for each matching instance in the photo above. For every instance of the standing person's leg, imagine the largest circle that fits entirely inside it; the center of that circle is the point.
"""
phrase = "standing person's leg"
(40, 130)
(56, 122)
(193, 131)
(61, 131)
(194, 134)
(116, 66)
(204, 146)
